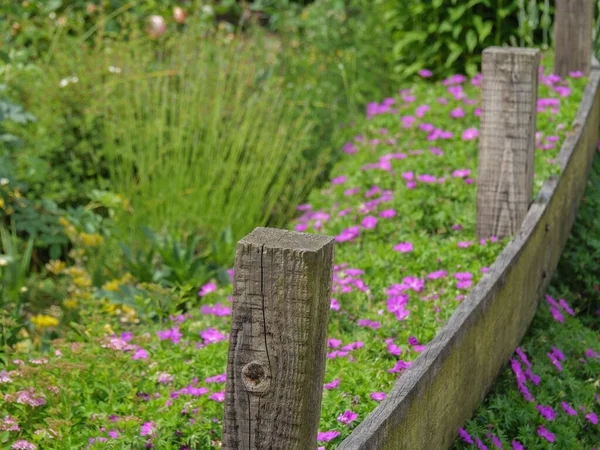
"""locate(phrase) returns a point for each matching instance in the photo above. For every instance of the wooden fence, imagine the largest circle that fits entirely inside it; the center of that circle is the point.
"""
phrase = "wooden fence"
(283, 279)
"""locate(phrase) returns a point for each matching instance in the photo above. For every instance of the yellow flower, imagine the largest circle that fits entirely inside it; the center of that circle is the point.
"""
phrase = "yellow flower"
(42, 321)
(108, 329)
(70, 303)
(2, 203)
(91, 240)
(55, 266)
(83, 281)
(64, 222)
(112, 285)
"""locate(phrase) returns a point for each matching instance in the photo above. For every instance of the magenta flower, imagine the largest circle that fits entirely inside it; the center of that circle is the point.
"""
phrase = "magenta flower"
(480, 445)
(377, 396)
(427, 178)
(207, 289)
(335, 305)
(400, 366)
(543, 432)
(576, 74)
(466, 244)
(404, 247)
(212, 336)
(567, 408)
(147, 428)
(546, 412)
(140, 353)
(334, 384)
(22, 444)
(516, 445)
(369, 222)
(470, 134)
(457, 113)
(592, 417)
(394, 349)
(461, 173)
(556, 314)
(333, 343)
(437, 274)
(339, 180)
(566, 307)
(347, 417)
(173, 335)
(495, 441)
(221, 378)
(387, 213)
(368, 324)
(326, 436)
(425, 73)
(217, 396)
(466, 437)
(464, 284)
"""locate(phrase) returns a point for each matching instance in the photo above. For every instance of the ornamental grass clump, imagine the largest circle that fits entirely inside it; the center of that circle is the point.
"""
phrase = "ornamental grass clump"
(200, 135)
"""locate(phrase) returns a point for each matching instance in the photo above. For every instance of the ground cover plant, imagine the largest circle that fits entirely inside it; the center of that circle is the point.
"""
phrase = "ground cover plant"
(401, 203)
(547, 397)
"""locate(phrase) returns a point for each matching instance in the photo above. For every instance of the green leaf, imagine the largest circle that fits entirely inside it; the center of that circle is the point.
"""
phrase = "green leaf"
(471, 40)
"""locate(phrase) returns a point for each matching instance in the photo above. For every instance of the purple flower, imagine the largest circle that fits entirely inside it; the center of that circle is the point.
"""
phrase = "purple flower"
(457, 113)
(147, 428)
(543, 432)
(140, 353)
(567, 408)
(516, 445)
(207, 289)
(480, 445)
(470, 134)
(212, 336)
(437, 274)
(217, 396)
(400, 366)
(368, 324)
(369, 222)
(425, 73)
(334, 384)
(404, 247)
(377, 396)
(335, 305)
(427, 178)
(347, 417)
(461, 173)
(326, 436)
(221, 378)
(466, 437)
(387, 213)
(339, 180)
(546, 412)
(566, 307)
(592, 417)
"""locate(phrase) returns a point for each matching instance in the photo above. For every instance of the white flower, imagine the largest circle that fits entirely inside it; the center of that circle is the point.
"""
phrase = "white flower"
(3, 181)
(113, 69)
(3, 261)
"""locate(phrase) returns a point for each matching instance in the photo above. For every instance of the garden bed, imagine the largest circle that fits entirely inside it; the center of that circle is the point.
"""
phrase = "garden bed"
(402, 207)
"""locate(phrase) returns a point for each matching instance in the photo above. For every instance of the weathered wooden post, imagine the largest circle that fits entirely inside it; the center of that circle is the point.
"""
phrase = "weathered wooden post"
(277, 345)
(507, 139)
(573, 25)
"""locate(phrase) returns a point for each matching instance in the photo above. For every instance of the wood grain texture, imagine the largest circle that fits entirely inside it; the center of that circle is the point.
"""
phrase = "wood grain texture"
(440, 391)
(277, 344)
(573, 26)
(506, 139)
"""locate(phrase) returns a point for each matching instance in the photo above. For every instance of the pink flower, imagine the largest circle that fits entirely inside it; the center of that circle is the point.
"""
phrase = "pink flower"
(576, 74)
(466, 437)
(369, 222)
(140, 353)
(470, 134)
(437, 274)
(543, 432)
(217, 396)
(400, 366)
(335, 305)
(546, 412)
(567, 408)
(426, 178)
(457, 113)
(377, 396)
(464, 244)
(156, 26)
(404, 247)
(173, 335)
(207, 289)
(425, 73)
(221, 378)
(408, 176)
(22, 444)
(147, 428)
(368, 324)
(592, 417)
(387, 213)
(212, 336)
(347, 417)
(461, 173)
(334, 384)
(326, 436)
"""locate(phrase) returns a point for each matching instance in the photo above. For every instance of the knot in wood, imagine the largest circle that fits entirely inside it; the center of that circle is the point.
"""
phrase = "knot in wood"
(256, 378)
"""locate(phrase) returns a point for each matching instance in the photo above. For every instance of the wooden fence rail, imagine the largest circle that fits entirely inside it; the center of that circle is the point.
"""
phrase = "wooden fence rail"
(283, 280)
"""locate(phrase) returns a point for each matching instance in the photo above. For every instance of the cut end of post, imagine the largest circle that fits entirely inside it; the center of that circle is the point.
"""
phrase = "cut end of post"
(288, 240)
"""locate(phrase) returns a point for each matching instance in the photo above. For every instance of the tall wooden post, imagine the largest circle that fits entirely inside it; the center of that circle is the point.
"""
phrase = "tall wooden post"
(507, 139)
(573, 25)
(277, 345)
